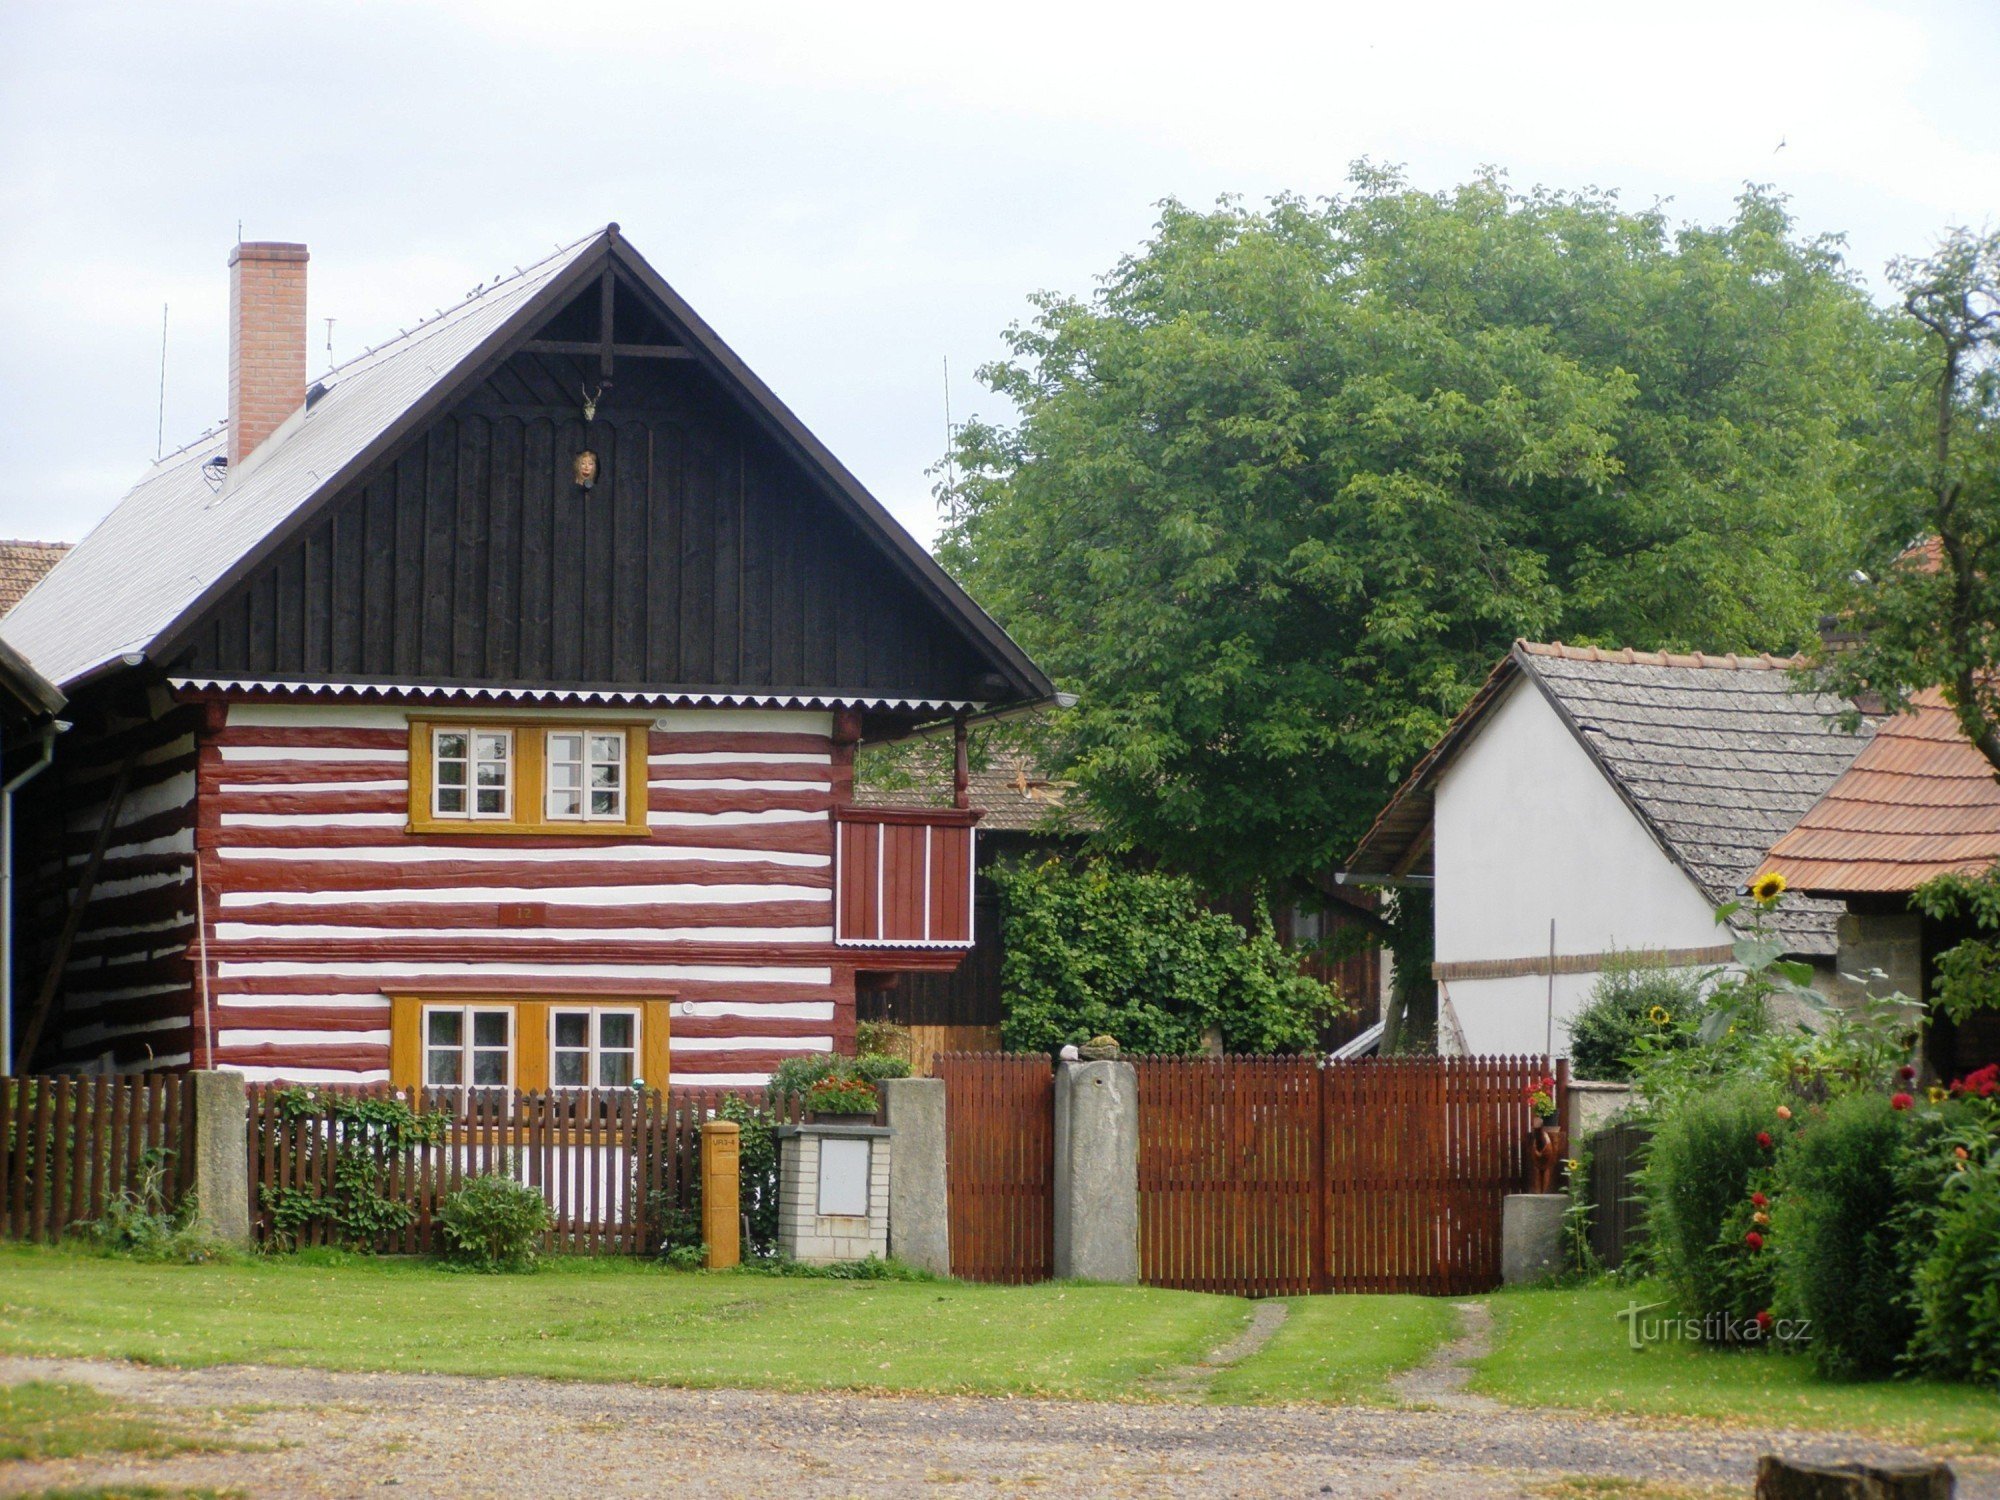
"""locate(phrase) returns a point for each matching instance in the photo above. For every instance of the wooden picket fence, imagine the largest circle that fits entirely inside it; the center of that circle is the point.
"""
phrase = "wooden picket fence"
(611, 1163)
(1260, 1176)
(75, 1146)
(1617, 1216)
(999, 1164)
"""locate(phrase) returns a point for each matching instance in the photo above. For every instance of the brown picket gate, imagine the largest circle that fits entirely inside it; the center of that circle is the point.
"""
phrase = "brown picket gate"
(609, 1162)
(999, 1164)
(70, 1147)
(1260, 1176)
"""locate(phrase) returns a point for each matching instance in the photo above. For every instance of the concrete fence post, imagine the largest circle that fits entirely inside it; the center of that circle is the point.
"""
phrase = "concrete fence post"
(219, 1153)
(721, 1192)
(919, 1202)
(1097, 1172)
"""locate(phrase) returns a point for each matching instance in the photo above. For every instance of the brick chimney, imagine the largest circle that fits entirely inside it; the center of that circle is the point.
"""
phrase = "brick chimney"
(267, 342)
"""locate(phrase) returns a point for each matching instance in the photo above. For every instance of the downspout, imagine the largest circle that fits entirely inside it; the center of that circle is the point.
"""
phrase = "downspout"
(28, 774)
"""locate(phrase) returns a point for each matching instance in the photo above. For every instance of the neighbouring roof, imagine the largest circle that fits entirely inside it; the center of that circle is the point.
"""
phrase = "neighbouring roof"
(1718, 756)
(176, 543)
(1919, 800)
(22, 565)
(1017, 795)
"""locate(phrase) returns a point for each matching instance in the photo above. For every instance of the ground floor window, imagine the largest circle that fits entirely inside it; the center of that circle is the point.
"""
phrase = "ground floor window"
(529, 1042)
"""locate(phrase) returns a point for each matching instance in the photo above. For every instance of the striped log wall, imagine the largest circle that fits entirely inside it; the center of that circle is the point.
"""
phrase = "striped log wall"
(319, 902)
(124, 1002)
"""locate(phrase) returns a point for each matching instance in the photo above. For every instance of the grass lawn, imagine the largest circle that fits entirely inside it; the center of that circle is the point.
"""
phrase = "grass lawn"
(609, 1319)
(1570, 1348)
(1339, 1349)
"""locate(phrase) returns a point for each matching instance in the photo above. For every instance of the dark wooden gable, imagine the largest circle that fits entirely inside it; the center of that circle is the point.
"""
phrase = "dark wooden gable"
(706, 555)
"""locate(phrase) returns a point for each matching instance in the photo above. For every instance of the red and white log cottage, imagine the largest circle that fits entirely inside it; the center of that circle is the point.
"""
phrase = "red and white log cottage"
(484, 711)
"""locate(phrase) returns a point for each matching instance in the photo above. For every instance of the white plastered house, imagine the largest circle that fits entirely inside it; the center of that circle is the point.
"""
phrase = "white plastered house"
(1620, 796)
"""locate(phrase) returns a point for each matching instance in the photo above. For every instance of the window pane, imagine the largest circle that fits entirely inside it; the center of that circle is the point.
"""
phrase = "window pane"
(614, 1070)
(493, 773)
(565, 804)
(451, 773)
(489, 1068)
(565, 747)
(604, 804)
(489, 1028)
(602, 775)
(614, 1029)
(445, 1028)
(450, 745)
(569, 1070)
(492, 800)
(451, 799)
(565, 773)
(572, 1028)
(444, 1068)
(607, 747)
(491, 746)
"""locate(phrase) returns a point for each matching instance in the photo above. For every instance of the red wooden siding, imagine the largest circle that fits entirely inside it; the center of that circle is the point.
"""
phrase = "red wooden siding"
(905, 876)
(318, 900)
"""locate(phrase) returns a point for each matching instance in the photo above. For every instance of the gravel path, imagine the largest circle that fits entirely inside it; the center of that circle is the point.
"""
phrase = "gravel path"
(448, 1436)
(1440, 1381)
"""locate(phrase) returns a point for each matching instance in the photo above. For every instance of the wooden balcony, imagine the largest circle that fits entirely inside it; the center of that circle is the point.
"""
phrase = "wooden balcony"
(903, 877)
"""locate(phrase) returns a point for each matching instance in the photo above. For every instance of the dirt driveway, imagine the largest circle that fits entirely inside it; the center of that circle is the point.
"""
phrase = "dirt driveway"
(413, 1435)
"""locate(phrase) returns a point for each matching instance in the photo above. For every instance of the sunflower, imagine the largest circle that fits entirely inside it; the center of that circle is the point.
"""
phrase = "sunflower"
(1658, 1015)
(1767, 888)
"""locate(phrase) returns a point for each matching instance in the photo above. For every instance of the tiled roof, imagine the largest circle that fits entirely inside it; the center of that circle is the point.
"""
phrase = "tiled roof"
(1918, 801)
(22, 565)
(1718, 755)
(1017, 796)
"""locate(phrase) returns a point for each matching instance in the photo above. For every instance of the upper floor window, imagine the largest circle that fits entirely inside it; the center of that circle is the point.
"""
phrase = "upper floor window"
(586, 775)
(472, 773)
(522, 776)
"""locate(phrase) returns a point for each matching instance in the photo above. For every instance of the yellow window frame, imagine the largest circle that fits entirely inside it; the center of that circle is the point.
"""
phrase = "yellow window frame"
(532, 1024)
(530, 768)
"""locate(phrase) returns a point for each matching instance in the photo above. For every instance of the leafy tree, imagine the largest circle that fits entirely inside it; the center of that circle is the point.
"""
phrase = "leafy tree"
(1931, 617)
(1283, 488)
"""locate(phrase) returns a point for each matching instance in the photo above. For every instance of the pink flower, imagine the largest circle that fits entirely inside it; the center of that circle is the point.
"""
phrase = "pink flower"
(1900, 1101)
(1784, 1111)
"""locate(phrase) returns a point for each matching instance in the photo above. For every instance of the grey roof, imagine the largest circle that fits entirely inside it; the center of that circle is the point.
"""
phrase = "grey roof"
(137, 583)
(1718, 755)
(1017, 796)
(173, 538)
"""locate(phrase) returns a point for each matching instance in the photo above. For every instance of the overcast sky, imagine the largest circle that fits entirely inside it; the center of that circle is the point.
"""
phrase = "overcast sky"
(851, 194)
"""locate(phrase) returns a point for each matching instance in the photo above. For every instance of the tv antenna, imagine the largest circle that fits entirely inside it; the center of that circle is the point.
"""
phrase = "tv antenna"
(160, 422)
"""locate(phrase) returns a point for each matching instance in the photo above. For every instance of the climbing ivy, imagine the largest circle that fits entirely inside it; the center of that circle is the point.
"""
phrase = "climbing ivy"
(364, 1135)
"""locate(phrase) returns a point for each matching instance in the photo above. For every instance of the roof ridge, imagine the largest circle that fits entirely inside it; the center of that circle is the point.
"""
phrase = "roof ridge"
(1731, 661)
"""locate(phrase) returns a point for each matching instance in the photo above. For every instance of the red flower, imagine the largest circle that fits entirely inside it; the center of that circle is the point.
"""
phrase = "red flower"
(1764, 1321)
(1760, 1200)
(1754, 1240)
(1764, 1139)
(1906, 1072)
(1900, 1101)
(1981, 1081)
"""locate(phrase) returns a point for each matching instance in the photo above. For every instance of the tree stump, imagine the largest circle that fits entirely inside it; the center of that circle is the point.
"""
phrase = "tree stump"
(1788, 1479)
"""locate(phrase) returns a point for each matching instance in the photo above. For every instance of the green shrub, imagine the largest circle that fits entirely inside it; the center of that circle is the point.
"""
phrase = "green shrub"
(884, 1039)
(1629, 1004)
(1841, 1227)
(1099, 949)
(1704, 1163)
(141, 1224)
(796, 1077)
(870, 1268)
(492, 1224)
(1958, 1287)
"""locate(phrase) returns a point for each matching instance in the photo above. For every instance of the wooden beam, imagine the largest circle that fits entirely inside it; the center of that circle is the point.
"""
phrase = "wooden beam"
(592, 346)
(1580, 963)
(73, 920)
(605, 285)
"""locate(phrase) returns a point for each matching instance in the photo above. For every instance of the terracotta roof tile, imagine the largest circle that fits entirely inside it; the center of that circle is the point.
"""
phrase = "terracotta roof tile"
(22, 565)
(1918, 801)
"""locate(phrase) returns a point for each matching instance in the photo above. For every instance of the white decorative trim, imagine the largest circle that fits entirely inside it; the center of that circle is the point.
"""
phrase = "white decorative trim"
(365, 692)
